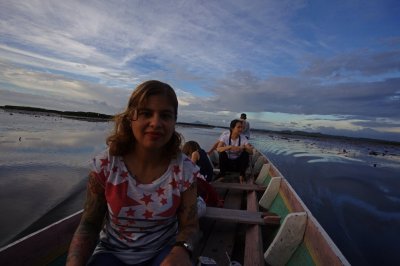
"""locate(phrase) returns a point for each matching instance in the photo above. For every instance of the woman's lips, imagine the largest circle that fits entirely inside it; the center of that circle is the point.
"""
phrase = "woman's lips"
(154, 135)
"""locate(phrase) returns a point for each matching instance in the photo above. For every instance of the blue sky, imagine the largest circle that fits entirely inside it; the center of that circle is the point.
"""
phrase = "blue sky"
(319, 66)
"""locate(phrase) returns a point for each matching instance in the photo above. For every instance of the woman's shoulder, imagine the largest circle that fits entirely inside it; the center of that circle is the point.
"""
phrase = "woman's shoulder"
(105, 154)
(102, 155)
(183, 160)
(105, 158)
(202, 152)
(224, 136)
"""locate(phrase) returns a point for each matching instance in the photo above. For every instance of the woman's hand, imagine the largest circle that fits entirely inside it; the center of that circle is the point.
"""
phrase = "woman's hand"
(236, 148)
(178, 256)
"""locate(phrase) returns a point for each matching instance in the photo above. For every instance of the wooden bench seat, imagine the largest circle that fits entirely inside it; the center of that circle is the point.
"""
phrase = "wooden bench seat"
(286, 236)
(242, 216)
(218, 236)
(238, 186)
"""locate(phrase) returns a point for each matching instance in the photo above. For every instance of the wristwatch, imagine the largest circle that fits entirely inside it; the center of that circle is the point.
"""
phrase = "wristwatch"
(185, 245)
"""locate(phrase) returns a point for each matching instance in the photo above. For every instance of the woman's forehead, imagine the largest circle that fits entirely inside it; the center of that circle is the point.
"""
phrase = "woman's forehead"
(159, 102)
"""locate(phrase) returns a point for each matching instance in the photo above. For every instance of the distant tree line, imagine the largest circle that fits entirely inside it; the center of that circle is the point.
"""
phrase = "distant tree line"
(98, 116)
(63, 113)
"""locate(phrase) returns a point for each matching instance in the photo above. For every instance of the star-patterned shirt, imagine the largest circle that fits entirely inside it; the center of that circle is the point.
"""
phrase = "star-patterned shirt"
(141, 218)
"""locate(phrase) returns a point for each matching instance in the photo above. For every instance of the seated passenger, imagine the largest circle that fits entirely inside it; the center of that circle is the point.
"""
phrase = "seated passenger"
(204, 190)
(193, 150)
(234, 150)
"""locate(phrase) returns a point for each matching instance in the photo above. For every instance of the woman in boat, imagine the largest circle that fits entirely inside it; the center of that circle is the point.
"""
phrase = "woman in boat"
(141, 191)
(204, 190)
(234, 150)
(193, 150)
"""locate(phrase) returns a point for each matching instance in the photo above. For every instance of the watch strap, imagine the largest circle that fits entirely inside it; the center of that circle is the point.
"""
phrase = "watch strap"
(186, 246)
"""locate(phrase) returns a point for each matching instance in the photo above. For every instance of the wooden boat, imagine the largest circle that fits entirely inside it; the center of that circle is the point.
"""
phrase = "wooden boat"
(263, 222)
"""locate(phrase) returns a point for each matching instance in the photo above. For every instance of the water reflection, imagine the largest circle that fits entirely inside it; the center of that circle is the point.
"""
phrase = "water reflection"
(322, 150)
(43, 161)
(351, 188)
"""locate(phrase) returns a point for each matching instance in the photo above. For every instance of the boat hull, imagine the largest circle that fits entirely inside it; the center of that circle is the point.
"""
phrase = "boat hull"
(49, 245)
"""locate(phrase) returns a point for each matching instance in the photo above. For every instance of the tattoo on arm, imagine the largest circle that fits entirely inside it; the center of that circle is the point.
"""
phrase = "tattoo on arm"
(85, 237)
(187, 215)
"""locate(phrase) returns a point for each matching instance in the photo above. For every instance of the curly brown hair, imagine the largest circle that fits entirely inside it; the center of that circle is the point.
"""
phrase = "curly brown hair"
(121, 141)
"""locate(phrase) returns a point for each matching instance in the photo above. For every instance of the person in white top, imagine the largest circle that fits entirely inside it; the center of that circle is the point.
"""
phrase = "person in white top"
(234, 150)
(246, 125)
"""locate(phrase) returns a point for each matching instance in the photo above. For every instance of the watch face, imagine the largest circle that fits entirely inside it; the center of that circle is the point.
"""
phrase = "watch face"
(188, 246)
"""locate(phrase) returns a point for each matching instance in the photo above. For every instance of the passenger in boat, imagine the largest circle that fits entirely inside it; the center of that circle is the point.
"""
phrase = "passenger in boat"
(141, 191)
(193, 150)
(246, 125)
(204, 190)
(234, 149)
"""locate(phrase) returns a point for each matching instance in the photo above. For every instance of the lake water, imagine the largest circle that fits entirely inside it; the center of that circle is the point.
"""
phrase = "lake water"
(353, 193)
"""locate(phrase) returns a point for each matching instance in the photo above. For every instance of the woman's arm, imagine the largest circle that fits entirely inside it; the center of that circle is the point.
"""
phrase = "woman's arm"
(188, 228)
(195, 156)
(85, 237)
(221, 147)
(213, 148)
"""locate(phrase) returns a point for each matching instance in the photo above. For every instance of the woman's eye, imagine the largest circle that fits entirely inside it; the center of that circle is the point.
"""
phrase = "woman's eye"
(144, 114)
(167, 116)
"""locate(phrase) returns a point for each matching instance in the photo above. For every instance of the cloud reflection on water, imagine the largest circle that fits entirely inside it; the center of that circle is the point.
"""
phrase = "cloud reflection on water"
(346, 186)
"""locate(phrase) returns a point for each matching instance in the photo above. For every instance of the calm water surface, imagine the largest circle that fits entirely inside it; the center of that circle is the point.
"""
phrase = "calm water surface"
(354, 195)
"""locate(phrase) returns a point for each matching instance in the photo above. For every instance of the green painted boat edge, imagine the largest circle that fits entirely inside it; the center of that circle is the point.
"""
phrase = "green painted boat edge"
(325, 251)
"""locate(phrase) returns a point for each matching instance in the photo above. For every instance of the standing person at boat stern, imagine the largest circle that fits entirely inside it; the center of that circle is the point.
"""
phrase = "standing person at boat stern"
(246, 125)
(141, 194)
(234, 149)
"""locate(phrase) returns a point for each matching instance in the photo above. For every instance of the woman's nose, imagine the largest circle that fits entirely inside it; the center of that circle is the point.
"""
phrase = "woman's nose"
(155, 120)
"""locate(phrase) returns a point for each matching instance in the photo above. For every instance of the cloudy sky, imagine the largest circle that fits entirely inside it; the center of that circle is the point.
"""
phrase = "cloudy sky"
(318, 66)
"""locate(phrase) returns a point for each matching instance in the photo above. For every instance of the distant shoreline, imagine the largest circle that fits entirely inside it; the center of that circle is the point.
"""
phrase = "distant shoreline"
(98, 117)
(87, 116)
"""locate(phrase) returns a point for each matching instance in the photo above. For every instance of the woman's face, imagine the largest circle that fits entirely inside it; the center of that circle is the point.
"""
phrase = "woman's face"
(154, 123)
(238, 128)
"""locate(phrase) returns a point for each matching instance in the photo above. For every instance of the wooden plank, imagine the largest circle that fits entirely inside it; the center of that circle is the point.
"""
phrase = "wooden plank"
(291, 199)
(253, 253)
(221, 239)
(321, 247)
(237, 186)
(241, 216)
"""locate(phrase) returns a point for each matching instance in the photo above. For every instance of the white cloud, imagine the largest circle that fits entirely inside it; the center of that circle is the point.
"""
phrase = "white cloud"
(223, 57)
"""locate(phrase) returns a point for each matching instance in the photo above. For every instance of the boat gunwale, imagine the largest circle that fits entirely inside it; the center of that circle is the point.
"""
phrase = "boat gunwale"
(312, 223)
